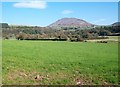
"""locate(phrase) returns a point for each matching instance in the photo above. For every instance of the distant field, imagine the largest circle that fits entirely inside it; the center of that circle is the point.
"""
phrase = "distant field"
(110, 39)
(47, 62)
(114, 37)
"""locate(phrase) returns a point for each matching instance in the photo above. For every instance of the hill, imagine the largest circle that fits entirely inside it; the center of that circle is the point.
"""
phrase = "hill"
(116, 24)
(71, 22)
(4, 25)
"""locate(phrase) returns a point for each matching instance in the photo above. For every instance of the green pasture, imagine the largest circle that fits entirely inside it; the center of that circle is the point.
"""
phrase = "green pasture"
(59, 62)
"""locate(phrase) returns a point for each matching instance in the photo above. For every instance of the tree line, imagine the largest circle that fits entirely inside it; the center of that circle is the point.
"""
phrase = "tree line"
(65, 33)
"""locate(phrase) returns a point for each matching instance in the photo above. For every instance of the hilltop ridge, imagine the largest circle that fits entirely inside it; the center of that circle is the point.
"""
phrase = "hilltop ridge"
(70, 22)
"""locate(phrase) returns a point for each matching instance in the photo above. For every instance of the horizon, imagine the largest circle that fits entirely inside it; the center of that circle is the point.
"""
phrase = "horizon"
(45, 13)
(53, 22)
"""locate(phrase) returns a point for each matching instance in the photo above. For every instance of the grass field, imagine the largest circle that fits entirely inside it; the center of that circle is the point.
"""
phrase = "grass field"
(110, 39)
(45, 62)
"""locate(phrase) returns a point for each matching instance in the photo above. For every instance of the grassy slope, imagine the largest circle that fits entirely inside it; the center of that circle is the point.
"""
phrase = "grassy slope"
(59, 62)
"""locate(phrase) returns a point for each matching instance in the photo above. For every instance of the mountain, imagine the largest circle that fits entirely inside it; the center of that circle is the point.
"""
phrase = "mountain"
(70, 22)
(116, 24)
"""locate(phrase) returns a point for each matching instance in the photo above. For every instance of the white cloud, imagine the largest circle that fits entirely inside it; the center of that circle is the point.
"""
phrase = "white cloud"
(31, 4)
(67, 12)
(99, 21)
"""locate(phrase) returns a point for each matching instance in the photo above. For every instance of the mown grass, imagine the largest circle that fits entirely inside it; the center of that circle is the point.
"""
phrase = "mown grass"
(59, 62)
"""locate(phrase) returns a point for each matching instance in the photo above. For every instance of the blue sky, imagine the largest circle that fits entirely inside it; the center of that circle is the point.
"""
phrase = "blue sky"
(45, 13)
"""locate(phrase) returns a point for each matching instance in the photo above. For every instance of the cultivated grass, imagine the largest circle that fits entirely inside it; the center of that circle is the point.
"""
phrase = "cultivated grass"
(59, 62)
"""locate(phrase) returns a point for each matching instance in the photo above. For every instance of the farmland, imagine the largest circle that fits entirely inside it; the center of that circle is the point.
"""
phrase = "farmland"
(109, 39)
(54, 62)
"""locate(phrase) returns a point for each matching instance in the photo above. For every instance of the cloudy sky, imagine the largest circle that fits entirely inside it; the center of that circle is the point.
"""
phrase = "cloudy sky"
(43, 13)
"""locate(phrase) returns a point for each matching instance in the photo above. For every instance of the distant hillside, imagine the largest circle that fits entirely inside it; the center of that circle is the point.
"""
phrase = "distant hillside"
(4, 25)
(116, 24)
(70, 22)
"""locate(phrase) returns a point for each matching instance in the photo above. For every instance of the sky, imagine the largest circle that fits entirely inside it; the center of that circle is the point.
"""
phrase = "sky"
(41, 13)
